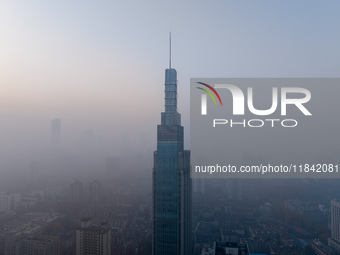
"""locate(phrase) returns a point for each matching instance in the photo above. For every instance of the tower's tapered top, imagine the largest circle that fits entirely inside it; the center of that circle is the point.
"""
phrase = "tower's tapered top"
(170, 51)
(170, 116)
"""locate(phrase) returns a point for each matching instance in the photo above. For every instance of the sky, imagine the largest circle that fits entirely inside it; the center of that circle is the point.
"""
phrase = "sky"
(99, 65)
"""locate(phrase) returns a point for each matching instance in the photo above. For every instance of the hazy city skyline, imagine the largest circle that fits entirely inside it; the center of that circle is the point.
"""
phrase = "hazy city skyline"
(99, 66)
(81, 95)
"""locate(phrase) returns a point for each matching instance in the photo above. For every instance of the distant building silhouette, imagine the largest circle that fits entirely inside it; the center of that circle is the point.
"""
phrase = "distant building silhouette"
(77, 191)
(199, 185)
(9, 202)
(95, 191)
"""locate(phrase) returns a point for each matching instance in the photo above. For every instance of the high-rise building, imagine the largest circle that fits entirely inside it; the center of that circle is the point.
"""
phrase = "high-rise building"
(77, 191)
(55, 131)
(9, 202)
(334, 240)
(93, 240)
(171, 179)
(5, 202)
(95, 192)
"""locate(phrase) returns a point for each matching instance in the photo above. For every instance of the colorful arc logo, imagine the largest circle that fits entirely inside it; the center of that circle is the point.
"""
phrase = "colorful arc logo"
(209, 93)
(204, 97)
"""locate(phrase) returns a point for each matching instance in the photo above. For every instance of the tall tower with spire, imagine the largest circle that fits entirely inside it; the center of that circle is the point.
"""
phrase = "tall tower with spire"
(171, 179)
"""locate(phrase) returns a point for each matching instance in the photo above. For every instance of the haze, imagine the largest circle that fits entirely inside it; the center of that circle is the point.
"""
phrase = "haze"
(99, 67)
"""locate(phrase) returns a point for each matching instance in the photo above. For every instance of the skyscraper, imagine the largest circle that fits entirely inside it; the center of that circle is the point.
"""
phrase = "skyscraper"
(171, 179)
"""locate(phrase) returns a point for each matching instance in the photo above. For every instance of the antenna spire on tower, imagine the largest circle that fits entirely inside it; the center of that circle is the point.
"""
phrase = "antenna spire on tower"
(170, 52)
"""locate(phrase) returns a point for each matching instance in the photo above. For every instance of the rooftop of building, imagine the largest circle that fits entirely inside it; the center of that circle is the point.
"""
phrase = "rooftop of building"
(221, 248)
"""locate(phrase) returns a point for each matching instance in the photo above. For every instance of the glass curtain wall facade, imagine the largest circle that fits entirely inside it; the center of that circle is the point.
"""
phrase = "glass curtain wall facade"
(171, 180)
